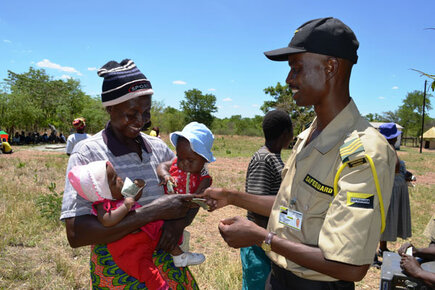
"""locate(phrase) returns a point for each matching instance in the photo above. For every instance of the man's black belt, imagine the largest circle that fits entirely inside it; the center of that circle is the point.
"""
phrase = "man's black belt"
(283, 279)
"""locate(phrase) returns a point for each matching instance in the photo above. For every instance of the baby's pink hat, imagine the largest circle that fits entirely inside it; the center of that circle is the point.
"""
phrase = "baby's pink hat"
(90, 180)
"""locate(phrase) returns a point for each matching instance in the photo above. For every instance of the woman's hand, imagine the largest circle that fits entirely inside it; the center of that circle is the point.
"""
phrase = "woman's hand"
(172, 206)
(239, 232)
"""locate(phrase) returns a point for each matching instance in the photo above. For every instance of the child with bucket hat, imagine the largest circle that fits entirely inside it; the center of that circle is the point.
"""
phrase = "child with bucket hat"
(186, 173)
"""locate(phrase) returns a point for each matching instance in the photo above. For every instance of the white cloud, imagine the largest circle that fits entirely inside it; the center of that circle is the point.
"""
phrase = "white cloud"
(381, 98)
(236, 106)
(395, 88)
(255, 105)
(179, 82)
(7, 41)
(48, 64)
(227, 100)
(65, 77)
(211, 90)
(92, 68)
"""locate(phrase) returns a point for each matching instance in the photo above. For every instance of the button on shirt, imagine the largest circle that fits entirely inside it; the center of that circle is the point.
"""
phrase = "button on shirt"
(104, 146)
(344, 232)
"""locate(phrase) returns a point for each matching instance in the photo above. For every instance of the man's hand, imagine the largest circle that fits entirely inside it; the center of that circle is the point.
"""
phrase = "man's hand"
(410, 265)
(402, 250)
(240, 232)
(216, 198)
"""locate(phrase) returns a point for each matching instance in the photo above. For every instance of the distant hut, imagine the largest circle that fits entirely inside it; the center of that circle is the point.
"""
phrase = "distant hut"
(429, 138)
(400, 128)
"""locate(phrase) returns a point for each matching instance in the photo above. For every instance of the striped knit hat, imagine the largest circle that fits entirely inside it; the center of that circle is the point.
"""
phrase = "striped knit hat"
(122, 82)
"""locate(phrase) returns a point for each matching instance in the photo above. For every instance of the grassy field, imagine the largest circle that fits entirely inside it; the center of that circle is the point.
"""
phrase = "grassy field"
(34, 253)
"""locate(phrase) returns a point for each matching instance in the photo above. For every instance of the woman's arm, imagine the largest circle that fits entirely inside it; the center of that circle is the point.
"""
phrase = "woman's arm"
(87, 230)
(112, 217)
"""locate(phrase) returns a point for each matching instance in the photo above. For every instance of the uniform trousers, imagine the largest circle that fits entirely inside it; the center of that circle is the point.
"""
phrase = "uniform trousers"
(281, 279)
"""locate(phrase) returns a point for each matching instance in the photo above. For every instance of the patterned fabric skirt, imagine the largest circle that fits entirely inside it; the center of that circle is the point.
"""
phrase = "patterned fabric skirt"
(105, 274)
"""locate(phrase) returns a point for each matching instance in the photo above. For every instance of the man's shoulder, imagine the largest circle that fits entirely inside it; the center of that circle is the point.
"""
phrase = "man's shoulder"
(365, 140)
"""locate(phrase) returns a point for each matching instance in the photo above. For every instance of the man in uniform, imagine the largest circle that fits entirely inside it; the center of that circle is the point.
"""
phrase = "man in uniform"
(327, 218)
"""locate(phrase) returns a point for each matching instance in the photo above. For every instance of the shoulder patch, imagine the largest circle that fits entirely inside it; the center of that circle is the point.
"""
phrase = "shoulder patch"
(350, 148)
(361, 200)
(357, 162)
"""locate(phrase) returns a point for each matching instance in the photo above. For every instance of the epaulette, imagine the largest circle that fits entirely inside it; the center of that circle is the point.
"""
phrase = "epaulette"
(350, 148)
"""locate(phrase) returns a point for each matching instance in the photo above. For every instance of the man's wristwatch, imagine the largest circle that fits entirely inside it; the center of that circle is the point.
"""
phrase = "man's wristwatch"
(266, 246)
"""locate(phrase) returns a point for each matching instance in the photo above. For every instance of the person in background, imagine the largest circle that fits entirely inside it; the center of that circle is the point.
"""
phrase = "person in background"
(263, 177)
(411, 265)
(80, 126)
(398, 222)
(327, 218)
(155, 132)
(5, 147)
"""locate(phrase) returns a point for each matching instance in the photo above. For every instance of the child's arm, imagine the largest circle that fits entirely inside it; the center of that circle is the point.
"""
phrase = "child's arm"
(163, 172)
(113, 217)
(203, 185)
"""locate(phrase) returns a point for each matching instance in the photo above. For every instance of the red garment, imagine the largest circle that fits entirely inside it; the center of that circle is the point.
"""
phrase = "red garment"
(133, 253)
(181, 179)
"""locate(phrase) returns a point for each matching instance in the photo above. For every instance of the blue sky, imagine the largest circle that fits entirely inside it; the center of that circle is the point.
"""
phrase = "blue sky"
(216, 46)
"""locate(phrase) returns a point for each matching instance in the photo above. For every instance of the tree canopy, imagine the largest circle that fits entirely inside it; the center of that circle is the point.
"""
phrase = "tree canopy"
(198, 107)
(33, 100)
(283, 99)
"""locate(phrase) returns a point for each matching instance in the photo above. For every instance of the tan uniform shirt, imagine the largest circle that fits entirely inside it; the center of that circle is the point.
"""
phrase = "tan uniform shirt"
(429, 231)
(346, 228)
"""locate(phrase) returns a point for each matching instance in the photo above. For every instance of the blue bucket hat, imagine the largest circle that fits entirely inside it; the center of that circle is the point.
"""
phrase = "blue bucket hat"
(200, 138)
(389, 130)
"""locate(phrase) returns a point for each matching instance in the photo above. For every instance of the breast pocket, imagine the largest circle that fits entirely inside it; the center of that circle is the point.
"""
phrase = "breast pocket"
(314, 205)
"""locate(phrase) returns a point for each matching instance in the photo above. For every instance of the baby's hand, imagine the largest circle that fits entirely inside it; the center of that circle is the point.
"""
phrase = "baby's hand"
(167, 178)
(129, 202)
(141, 184)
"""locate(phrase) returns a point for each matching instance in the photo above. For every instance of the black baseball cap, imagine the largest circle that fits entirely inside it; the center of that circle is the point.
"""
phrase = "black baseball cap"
(328, 36)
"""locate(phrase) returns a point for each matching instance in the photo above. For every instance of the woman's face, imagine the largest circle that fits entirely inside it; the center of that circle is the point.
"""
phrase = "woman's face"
(115, 182)
(187, 159)
(128, 118)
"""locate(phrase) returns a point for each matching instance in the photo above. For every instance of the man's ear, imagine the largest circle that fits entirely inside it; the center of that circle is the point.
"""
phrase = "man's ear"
(109, 109)
(331, 67)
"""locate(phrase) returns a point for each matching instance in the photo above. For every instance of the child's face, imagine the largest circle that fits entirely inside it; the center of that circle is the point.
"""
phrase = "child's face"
(187, 159)
(115, 182)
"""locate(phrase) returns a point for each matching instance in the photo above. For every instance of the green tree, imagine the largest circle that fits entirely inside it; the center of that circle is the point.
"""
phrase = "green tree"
(374, 117)
(198, 107)
(34, 100)
(283, 99)
(173, 120)
(410, 113)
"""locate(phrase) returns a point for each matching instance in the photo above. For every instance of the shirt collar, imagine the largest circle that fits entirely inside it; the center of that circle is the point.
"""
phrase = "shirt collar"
(116, 147)
(335, 130)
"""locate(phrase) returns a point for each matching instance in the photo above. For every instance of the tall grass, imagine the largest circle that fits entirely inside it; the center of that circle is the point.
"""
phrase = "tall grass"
(34, 252)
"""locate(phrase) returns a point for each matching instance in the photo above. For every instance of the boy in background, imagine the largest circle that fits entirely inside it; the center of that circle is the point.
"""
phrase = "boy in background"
(264, 178)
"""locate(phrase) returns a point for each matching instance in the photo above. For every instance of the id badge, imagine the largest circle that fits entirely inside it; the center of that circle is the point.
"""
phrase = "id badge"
(290, 218)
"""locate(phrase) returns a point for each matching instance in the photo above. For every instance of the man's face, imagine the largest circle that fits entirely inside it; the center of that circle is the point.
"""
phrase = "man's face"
(307, 78)
(129, 117)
